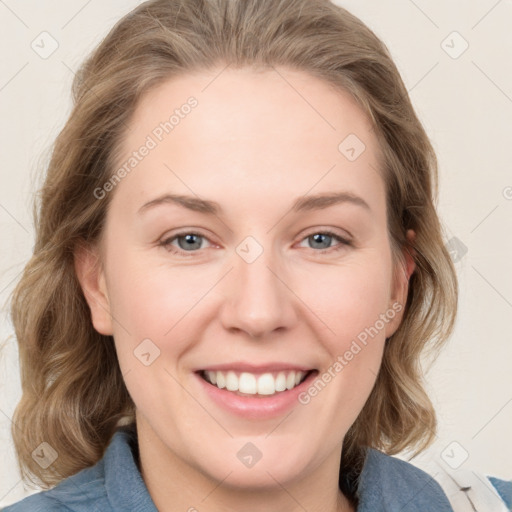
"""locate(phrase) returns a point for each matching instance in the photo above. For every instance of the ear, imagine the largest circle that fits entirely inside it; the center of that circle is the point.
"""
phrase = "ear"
(402, 275)
(90, 274)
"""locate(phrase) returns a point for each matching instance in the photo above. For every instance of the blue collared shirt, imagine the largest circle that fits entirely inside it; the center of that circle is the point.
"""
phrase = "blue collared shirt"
(386, 484)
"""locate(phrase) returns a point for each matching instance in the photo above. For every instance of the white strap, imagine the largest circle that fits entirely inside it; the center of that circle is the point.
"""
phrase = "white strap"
(467, 490)
(470, 490)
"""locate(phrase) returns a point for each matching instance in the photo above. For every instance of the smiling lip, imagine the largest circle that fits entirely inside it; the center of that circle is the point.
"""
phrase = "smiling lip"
(251, 407)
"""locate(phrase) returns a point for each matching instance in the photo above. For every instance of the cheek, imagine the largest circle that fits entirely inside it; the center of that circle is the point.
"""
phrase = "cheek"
(353, 306)
(353, 302)
(349, 299)
(149, 300)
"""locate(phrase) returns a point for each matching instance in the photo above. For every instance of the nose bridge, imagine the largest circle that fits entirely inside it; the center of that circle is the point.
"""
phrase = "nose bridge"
(259, 300)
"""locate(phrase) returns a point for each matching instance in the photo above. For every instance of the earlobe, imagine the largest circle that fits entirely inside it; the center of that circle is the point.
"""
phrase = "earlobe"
(401, 288)
(90, 274)
(409, 265)
(410, 254)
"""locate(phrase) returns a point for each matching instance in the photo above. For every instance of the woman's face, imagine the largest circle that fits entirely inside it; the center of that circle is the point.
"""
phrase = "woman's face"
(261, 285)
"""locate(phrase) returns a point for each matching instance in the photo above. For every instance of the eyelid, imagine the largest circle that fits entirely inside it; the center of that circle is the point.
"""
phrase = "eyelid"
(166, 239)
(344, 241)
(345, 235)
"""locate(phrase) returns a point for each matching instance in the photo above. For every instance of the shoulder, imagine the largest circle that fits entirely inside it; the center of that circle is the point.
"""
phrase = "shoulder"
(389, 483)
(503, 488)
(36, 503)
(75, 493)
(114, 483)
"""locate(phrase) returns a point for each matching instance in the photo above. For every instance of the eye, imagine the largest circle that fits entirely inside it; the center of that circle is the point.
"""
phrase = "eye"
(325, 238)
(190, 242)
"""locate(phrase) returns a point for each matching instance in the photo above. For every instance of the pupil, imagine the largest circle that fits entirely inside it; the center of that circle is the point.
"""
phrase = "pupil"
(190, 242)
(315, 238)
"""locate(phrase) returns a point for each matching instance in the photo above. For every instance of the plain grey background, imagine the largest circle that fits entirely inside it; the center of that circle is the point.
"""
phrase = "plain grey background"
(455, 58)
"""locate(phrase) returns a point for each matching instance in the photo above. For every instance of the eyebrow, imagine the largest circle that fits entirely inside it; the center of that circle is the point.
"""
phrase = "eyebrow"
(305, 203)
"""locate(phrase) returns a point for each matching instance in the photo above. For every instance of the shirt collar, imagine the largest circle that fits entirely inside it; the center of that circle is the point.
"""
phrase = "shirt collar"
(124, 485)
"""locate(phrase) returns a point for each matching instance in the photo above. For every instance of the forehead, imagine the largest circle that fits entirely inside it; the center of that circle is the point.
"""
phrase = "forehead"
(276, 132)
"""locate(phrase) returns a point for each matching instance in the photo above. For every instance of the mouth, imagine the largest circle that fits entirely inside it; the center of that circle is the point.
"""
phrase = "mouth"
(244, 383)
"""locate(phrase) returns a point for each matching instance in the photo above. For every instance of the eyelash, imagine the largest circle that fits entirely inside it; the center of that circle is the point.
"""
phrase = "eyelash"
(167, 242)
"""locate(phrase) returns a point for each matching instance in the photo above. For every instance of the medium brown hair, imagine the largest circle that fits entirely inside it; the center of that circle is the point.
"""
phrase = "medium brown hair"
(74, 396)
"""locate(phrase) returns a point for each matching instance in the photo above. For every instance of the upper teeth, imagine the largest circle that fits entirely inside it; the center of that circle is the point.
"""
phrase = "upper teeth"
(264, 384)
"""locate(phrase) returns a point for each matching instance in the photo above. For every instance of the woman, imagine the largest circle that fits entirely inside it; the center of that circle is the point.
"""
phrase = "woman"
(255, 370)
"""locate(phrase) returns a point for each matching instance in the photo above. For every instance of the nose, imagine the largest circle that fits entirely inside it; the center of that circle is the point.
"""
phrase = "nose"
(258, 299)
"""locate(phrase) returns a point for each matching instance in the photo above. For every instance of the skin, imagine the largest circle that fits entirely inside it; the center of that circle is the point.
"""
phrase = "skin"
(255, 143)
